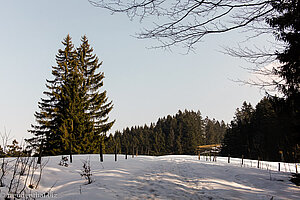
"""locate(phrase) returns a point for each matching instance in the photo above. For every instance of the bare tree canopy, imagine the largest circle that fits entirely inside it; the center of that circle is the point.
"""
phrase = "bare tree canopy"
(187, 22)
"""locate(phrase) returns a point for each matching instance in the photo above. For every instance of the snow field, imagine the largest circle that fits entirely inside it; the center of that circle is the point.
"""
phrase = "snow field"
(166, 177)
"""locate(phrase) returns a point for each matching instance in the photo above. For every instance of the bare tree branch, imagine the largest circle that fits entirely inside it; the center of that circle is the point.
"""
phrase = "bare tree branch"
(187, 22)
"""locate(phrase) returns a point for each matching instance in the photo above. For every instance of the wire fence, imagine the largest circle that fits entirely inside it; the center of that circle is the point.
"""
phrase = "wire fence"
(265, 165)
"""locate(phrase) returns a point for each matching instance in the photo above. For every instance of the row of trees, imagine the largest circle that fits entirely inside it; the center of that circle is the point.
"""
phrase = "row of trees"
(270, 131)
(178, 134)
(74, 116)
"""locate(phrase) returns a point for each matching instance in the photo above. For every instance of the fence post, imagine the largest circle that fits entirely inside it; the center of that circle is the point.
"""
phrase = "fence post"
(279, 167)
(228, 158)
(296, 168)
(242, 160)
(258, 162)
(198, 155)
(116, 149)
(101, 152)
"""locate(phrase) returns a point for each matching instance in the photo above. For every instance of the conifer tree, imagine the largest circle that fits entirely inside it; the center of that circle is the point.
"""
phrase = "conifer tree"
(74, 115)
(52, 109)
(287, 29)
(98, 106)
(14, 150)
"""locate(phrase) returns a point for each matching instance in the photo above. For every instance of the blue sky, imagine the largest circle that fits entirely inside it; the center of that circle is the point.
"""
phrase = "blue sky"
(143, 84)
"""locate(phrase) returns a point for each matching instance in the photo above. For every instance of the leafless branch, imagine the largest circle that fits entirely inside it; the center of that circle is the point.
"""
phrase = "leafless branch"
(187, 22)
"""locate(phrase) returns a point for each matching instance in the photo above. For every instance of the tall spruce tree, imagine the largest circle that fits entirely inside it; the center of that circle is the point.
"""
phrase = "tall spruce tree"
(287, 29)
(98, 106)
(75, 114)
(52, 109)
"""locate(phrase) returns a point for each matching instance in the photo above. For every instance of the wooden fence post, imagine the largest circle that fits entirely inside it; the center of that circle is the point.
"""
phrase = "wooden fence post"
(242, 160)
(228, 158)
(258, 162)
(279, 167)
(101, 152)
(116, 149)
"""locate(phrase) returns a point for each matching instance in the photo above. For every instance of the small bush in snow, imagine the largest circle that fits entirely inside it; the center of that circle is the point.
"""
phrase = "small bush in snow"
(64, 161)
(86, 171)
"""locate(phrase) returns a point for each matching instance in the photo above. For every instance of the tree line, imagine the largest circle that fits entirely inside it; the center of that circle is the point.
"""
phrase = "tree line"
(178, 134)
(270, 131)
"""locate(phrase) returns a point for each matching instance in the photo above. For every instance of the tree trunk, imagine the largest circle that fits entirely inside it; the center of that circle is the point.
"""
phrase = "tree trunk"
(71, 159)
(40, 153)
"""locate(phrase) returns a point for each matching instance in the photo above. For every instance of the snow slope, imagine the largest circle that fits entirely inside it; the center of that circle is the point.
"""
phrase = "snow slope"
(166, 177)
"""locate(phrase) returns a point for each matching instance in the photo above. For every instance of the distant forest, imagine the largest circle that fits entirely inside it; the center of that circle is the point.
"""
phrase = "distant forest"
(268, 131)
(178, 134)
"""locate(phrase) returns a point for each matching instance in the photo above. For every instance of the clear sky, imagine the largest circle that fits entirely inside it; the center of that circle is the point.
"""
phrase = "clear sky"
(143, 84)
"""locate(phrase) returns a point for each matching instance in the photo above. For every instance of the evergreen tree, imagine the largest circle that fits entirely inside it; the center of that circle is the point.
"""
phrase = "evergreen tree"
(13, 150)
(264, 131)
(109, 144)
(287, 26)
(52, 109)
(238, 136)
(73, 117)
(75, 121)
(287, 29)
(97, 106)
(158, 139)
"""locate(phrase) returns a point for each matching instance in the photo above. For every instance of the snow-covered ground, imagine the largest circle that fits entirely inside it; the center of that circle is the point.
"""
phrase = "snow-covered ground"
(167, 177)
